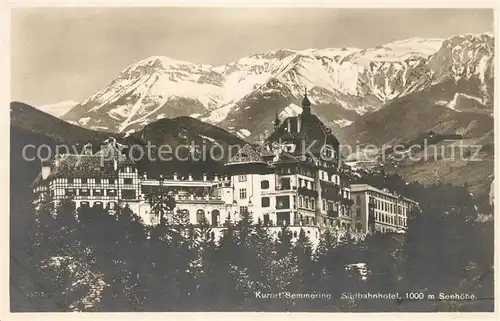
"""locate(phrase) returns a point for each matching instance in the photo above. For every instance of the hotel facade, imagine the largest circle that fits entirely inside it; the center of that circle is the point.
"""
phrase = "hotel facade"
(379, 210)
(277, 182)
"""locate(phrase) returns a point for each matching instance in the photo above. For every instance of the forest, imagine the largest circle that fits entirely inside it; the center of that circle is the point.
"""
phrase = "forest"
(87, 260)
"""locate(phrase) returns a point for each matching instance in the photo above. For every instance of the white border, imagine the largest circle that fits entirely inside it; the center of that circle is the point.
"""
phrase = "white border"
(4, 178)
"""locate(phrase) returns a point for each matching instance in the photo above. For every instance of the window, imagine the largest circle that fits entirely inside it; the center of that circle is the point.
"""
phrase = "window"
(358, 212)
(98, 181)
(243, 193)
(127, 181)
(285, 184)
(200, 216)
(358, 199)
(313, 203)
(84, 192)
(215, 217)
(324, 205)
(70, 192)
(242, 178)
(111, 192)
(300, 201)
(111, 180)
(98, 192)
(264, 184)
(70, 180)
(266, 202)
(84, 181)
(128, 194)
(306, 202)
(243, 209)
(282, 202)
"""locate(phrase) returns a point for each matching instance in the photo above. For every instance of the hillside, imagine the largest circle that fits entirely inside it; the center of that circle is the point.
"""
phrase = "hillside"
(30, 126)
(30, 119)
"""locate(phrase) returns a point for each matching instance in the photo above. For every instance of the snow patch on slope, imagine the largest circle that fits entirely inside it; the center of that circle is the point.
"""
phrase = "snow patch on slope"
(453, 103)
(291, 110)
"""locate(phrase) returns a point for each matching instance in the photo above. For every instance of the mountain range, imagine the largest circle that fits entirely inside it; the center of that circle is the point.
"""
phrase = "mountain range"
(343, 84)
(389, 94)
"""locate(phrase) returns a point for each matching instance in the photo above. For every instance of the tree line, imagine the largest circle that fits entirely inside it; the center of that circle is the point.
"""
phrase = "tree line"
(100, 262)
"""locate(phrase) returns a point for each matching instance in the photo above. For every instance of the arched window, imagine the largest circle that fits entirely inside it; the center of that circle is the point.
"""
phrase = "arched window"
(295, 234)
(300, 201)
(324, 205)
(306, 202)
(200, 216)
(215, 217)
(183, 216)
(313, 203)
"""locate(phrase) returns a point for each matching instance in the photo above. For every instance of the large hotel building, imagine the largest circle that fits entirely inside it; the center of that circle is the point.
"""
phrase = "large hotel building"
(379, 210)
(277, 183)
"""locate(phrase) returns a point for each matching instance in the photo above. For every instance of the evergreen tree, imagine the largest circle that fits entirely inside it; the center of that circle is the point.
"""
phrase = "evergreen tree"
(227, 297)
(303, 281)
(161, 202)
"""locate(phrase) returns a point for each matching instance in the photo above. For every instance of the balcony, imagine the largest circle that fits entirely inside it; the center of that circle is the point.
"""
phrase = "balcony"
(307, 192)
(332, 213)
(347, 202)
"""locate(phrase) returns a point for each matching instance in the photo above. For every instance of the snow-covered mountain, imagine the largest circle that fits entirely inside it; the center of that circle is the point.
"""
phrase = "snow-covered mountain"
(342, 83)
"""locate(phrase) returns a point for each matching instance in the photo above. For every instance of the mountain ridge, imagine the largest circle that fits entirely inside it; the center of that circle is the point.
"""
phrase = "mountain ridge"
(359, 80)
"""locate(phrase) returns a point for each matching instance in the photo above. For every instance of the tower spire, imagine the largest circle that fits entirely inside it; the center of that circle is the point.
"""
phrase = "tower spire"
(276, 121)
(306, 104)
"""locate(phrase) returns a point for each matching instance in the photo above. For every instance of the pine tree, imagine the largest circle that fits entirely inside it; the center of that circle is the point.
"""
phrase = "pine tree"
(304, 280)
(226, 297)
(161, 202)
(62, 256)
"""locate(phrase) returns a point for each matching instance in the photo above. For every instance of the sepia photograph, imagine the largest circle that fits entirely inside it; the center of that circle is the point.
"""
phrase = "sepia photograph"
(251, 159)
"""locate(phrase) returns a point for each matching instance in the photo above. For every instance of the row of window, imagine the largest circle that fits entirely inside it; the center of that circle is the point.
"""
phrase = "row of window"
(386, 206)
(307, 202)
(333, 178)
(307, 184)
(284, 183)
(126, 181)
(390, 219)
(126, 193)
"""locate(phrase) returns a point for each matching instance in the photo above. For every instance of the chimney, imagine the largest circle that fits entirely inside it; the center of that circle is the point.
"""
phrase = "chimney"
(57, 160)
(46, 169)
(115, 164)
(204, 177)
(190, 177)
(175, 176)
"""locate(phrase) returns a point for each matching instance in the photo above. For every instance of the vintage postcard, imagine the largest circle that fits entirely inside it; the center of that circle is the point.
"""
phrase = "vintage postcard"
(251, 159)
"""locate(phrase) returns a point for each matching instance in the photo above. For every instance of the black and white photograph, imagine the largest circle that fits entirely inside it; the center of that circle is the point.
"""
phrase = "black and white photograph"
(251, 159)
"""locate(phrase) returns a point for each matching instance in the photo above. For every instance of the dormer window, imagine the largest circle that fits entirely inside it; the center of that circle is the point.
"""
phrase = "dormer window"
(328, 153)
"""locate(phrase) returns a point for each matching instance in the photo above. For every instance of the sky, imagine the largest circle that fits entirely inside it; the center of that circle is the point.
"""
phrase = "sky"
(61, 54)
